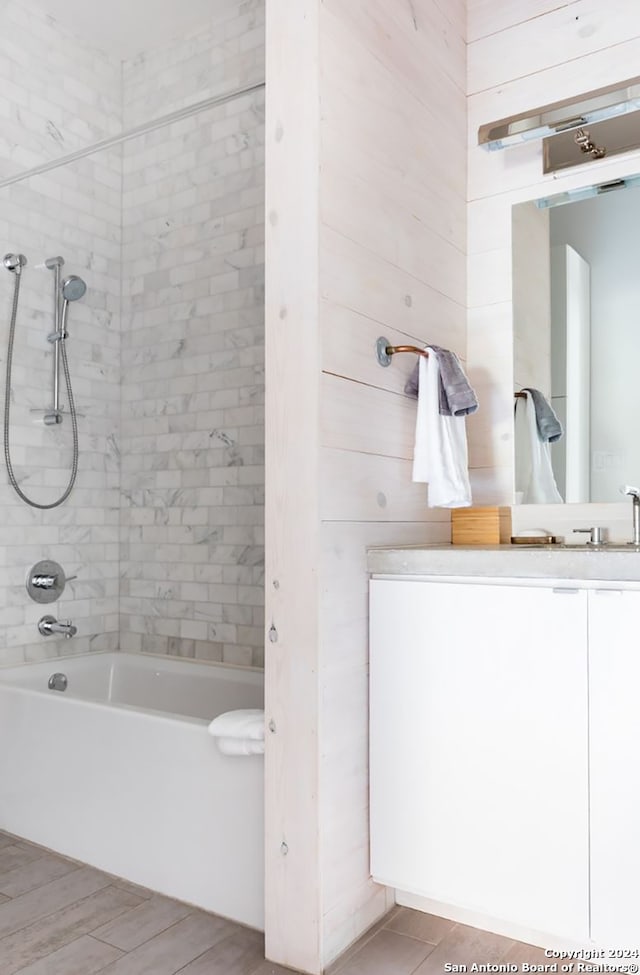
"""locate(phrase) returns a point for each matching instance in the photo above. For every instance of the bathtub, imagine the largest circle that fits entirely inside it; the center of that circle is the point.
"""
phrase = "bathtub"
(118, 771)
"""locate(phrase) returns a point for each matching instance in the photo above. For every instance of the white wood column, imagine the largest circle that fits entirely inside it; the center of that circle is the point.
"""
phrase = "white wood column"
(365, 233)
(292, 529)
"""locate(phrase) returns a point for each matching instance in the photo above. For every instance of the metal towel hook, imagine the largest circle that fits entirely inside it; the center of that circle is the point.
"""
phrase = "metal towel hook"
(384, 351)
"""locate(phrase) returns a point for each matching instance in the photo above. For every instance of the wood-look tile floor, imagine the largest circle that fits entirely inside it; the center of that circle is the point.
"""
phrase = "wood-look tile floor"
(59, 917)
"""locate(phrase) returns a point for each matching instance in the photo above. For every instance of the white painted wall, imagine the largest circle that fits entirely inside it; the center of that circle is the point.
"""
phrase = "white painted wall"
(521, 56)
(604, 230)
(531, 298)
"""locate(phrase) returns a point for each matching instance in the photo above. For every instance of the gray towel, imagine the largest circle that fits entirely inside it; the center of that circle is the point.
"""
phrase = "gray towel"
(549, 426)
(456, 397)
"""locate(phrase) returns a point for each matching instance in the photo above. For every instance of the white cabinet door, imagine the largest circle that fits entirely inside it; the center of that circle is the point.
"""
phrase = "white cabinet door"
(479, 784)
(614, 690)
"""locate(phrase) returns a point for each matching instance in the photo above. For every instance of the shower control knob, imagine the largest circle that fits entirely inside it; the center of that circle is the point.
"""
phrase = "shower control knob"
(46, 581)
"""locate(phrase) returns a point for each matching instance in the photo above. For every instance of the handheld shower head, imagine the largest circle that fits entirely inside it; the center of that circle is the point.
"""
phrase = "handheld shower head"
(73, 288)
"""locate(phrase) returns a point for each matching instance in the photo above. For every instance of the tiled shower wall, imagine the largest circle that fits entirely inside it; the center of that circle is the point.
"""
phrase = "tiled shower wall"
(57, 96)
(188, 216)
(193, 335)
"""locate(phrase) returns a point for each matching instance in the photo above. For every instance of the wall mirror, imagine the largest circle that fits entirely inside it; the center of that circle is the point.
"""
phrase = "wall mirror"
(576, 313)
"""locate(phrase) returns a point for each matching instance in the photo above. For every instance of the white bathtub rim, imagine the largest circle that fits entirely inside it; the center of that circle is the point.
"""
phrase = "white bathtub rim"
(134, 655)
(91, 703)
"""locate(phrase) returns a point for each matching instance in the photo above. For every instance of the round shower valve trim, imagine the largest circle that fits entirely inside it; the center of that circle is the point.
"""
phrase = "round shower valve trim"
(46, 581)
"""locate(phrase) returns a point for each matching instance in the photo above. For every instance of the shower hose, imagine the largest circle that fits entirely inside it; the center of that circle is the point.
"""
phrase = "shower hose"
(7, 412)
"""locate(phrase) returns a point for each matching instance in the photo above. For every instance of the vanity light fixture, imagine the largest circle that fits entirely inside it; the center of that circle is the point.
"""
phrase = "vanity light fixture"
(586, 192)
(586, 144)
(566, 115)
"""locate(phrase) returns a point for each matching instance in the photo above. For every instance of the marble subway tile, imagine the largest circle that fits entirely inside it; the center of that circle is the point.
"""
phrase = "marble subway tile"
(168, 231)
(208, 390)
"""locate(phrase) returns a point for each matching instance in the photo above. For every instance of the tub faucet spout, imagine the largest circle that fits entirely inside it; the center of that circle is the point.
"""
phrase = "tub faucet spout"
(49, 625)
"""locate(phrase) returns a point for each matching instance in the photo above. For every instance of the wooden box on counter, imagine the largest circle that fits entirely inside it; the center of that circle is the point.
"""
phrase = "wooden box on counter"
(481, 526)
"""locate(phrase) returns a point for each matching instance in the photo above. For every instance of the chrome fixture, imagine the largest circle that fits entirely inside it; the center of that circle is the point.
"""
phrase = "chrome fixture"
(50, 626)
(43, 582)
(14, 262)
(568, 114)
(73, 288)
(634, 493)
(586, 192)
(58, 682)
(46, 581)
(596, 535)
(65, 291)
(584, 145)
(582, 139)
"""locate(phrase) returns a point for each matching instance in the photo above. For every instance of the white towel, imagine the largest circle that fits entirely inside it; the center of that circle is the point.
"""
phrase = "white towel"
(240, 746)
(534, 473)
(239, 732)
(440, 453)
(242, 723)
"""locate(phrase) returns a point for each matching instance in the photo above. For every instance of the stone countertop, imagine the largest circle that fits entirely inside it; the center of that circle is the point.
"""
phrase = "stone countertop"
(507, 561)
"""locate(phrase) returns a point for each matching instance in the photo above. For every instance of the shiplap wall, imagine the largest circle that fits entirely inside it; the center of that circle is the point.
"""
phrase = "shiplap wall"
(392, 262)
(365, 237)
(521, 55)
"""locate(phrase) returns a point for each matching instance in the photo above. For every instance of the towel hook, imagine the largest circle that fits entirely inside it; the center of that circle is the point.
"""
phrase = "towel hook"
(384, 350)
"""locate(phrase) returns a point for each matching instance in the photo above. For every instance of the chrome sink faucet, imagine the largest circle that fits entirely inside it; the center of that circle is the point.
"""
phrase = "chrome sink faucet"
(634, 493)
(596, 536)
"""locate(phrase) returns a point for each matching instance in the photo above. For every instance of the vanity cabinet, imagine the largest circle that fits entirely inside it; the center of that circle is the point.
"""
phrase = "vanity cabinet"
(505, 752)
(614, 692)
(479, 749)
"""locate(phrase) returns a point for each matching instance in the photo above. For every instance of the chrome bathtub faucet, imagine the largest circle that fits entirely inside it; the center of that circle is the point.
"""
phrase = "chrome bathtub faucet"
(50, 626)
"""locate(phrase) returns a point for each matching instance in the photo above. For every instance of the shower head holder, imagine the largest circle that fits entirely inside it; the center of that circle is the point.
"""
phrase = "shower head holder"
(14, 262)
